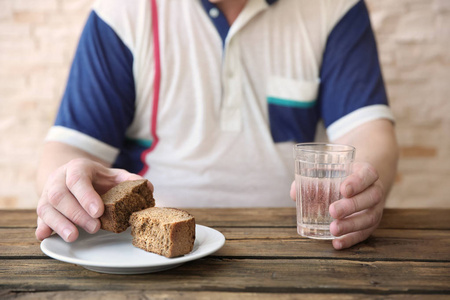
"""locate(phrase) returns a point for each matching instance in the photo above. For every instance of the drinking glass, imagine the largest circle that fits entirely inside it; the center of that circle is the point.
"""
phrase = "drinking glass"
(320, 168)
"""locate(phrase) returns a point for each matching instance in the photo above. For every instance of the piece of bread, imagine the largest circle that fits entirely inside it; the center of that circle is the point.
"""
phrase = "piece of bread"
(164, 231)
(122, 200)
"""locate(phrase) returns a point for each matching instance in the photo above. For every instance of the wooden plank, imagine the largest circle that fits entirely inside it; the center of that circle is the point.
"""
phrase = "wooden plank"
(238, 275)
(416, 219)
(286, 217)
(18, 218)
(385, 244)
(19, 242)
(274, 217)
(269, 217)
(200, 295)
(243, 217)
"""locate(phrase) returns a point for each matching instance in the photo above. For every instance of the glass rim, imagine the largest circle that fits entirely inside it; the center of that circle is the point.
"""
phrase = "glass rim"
(333, 147)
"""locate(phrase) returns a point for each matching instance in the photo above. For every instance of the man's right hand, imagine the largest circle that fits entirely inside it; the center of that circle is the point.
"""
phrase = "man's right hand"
(71, 197)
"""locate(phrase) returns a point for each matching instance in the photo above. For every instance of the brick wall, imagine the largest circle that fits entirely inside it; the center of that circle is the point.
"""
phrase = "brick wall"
(38, 39)
(37, 43)
(414, 42)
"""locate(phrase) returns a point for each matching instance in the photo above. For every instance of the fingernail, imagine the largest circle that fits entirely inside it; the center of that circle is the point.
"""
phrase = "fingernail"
(338, 245)
(349, 190)
(337, 209)
(93, 208)
(66, 234)
(91, 226)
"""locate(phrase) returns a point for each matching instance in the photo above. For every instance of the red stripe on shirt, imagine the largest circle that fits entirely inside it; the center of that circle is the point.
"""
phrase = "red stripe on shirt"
(156, 85)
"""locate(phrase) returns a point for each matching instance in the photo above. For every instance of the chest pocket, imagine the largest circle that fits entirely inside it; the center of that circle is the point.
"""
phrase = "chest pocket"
(293, 109)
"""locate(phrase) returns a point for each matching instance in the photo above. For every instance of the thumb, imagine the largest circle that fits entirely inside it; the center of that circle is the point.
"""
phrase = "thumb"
(293, 191)
(110, 177)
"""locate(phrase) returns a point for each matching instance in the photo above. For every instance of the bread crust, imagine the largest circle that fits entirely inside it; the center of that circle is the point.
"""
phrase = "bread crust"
(165, 231)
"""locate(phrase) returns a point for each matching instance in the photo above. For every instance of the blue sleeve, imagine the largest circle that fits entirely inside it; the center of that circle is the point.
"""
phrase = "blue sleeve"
(100, 95)
(350, 73)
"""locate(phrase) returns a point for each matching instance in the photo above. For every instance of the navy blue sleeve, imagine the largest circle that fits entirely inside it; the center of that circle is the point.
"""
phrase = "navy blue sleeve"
(350, 74)
(100, 94)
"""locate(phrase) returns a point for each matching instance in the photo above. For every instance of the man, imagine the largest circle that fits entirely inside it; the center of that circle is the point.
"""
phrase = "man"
(206, 100)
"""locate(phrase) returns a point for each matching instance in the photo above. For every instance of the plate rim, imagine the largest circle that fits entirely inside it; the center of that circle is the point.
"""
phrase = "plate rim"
(216, 245)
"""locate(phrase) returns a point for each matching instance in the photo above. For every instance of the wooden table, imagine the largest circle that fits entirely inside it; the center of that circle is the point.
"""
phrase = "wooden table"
(408, 257)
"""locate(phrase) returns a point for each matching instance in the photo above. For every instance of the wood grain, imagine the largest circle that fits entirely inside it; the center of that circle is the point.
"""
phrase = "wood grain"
(268, 217)
(238, 275)
(408, 257)
(201, 295)
(385, 244)
(18, 218)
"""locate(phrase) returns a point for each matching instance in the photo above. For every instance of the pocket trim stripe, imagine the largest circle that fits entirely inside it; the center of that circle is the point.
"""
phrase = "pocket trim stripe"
(291, 103)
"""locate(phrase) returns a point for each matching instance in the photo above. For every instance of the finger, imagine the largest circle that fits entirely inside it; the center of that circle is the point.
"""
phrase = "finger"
(123, 175)
(106, 178)
(66, 204)
(367, 199)
(293, 191)
(55, 220)
(356, 222)
(363, 176)
(42, 230)
(352, 239)
(78, 179)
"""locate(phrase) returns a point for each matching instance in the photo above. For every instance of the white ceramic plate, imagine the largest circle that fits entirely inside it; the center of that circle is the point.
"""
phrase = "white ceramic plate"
(108, 252)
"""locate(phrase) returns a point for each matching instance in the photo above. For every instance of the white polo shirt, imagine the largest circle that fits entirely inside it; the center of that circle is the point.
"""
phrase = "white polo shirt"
(209, 113)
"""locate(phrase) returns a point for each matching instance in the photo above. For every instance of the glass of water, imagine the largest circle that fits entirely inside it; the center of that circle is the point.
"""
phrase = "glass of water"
(320, 168)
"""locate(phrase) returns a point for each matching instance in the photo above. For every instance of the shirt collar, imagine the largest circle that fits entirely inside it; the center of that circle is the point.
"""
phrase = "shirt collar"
(219, 19)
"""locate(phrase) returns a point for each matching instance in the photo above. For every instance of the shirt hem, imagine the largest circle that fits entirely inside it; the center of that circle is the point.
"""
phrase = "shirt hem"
(82, 141)
(357, 118)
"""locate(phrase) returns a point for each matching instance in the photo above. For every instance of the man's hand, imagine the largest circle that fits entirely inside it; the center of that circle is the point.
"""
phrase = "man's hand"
(360, 210)
(71, 197)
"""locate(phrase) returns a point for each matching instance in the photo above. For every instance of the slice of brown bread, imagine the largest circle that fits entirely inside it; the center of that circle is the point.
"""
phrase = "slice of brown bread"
(164, 231)
(122, 200)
